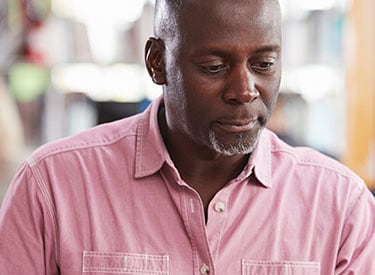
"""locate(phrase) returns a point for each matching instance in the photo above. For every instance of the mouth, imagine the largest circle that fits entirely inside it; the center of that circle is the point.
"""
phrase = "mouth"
(236, 126)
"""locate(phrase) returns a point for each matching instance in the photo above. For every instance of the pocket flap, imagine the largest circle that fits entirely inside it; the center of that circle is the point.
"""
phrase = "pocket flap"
(280, 267)
(124, 263)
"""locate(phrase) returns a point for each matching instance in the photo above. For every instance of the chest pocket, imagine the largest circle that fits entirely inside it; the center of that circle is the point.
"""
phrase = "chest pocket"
(98, 263)
(280, 268)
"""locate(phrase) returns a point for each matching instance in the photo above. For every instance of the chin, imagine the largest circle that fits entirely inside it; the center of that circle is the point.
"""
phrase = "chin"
(240, 144)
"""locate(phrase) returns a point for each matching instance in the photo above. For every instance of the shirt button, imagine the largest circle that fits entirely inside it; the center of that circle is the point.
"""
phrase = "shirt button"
(219, 207)
(204, 269)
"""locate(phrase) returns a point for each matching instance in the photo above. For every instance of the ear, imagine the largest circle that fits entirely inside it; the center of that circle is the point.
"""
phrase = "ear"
(154, 59)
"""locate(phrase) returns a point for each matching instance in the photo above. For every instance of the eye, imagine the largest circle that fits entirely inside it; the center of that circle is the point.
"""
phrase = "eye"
(263, 66)
(214, 69)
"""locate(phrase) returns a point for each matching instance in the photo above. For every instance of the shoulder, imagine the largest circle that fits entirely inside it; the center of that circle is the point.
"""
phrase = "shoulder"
(313, 176)
(104, 135)
(306, 158)
(310, 171)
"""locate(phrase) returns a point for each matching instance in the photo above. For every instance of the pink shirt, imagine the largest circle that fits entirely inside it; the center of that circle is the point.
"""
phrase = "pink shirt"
(110, 201)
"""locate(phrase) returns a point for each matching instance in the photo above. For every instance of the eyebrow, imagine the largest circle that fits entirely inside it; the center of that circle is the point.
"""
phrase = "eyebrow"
(270, 48)
(221, 52)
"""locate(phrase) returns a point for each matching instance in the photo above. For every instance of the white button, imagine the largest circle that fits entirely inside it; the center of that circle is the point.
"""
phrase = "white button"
(205, 269)
(219, 207)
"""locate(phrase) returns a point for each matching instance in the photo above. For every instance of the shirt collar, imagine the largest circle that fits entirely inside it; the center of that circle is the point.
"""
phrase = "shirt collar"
(151, 152)
(260, 160)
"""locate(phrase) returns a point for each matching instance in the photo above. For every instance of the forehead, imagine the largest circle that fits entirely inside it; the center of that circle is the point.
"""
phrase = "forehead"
(232, 21)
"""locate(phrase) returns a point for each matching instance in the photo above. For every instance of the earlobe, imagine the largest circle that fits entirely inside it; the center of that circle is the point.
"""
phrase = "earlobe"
(154, 59)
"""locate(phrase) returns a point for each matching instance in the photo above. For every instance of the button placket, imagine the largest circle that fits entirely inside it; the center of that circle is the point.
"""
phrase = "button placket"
(195, 225)
(217, 216)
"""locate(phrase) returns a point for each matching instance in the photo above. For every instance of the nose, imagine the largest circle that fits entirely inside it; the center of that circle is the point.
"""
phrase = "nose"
(241, 87)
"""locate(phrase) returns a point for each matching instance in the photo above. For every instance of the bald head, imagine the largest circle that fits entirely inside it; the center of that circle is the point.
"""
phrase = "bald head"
(168, 14)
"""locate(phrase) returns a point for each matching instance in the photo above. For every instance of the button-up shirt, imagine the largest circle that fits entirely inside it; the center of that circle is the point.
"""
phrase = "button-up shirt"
(110, 201)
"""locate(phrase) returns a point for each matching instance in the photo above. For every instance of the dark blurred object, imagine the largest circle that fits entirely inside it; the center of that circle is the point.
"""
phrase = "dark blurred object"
(109, 111)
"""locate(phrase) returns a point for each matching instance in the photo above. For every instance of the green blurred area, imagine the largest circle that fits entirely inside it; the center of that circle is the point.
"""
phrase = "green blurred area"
(28, 81)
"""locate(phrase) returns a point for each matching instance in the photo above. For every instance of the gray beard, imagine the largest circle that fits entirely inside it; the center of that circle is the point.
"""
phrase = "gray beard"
(243, 144)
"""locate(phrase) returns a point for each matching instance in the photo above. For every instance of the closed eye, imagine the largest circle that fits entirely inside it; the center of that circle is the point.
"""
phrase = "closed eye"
(262, 66)
(214, 69)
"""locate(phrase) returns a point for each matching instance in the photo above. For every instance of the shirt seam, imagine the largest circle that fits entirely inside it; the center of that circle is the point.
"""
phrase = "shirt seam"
(76, 146)
(354, 205)
(47, 198)
(319, 165)
(349, 213)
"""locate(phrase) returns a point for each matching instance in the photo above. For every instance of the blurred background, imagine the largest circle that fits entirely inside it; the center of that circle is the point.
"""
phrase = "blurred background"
(68, 65)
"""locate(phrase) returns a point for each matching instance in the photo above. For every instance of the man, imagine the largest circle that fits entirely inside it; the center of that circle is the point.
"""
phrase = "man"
(194, 185)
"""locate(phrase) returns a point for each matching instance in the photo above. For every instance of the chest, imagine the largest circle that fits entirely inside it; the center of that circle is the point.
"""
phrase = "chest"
(167, 229)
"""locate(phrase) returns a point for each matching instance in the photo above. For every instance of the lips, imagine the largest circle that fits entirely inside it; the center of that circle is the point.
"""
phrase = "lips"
(235, 126)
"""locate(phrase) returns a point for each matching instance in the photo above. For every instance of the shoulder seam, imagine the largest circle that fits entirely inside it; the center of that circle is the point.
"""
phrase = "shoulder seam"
(66, 148)
(354, 204)
(319, 165)
(51, 209)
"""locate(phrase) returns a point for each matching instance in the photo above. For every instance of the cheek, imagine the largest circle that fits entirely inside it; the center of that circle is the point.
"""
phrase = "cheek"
(201, 95)
(270, 104)
(271, 91)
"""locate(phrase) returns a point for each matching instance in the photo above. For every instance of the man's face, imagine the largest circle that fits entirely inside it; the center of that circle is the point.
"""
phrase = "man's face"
(223, 73)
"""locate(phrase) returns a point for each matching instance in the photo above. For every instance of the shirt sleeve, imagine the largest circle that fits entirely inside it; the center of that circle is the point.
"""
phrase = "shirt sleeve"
(27, 231)
(357, 251)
